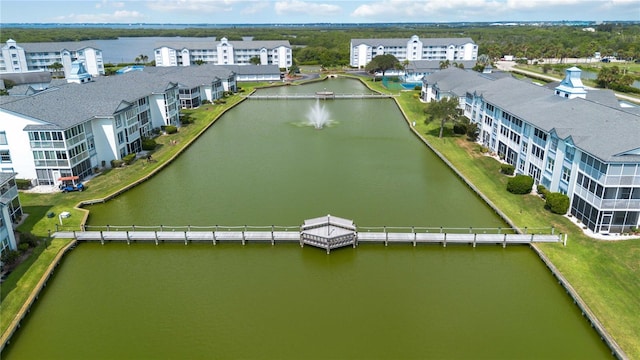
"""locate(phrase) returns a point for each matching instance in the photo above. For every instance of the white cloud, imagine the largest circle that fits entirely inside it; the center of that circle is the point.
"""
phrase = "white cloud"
(428, 10)
(107, 3)
(255, 8)
(207, 6)
(297, 7)
(114, 17)
(491, 10)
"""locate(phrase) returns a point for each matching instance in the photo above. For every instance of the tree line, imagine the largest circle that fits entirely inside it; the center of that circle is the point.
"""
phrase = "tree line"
(329, 46)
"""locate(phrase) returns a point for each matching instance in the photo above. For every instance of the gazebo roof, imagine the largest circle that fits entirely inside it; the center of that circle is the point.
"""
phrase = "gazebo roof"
(329, 220)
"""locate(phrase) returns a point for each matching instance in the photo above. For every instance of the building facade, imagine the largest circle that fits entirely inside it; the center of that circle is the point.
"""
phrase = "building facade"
(41, 56)
(10, 211)
(224, 52)
(361, 51)
(562, 137)
(72, 128)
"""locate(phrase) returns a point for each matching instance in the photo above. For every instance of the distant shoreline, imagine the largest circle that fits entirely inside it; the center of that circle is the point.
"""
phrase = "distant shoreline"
(306, 25)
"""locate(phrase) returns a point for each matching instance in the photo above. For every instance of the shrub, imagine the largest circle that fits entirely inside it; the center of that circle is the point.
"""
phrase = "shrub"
(186, 119)
(473, 132)
(542, 191)
(520, 184)
(9, 257)
(148, 144)
(115, 163)
(29, 239)
(417, 88)
(507, 169)
(459, 128)
(23, 247)
(129, 158)
(557, 203)
(23, 184)
(205, 102)
(170, 129)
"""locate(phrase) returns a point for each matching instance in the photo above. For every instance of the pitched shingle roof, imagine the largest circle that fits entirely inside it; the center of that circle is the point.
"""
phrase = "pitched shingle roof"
(190, 76)
(403, 42)
(212, 44)
(456, 81)
(603, 131)
(71, 104)
(57, 46)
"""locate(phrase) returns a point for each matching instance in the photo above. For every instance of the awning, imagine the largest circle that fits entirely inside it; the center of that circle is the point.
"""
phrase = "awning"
(69, 178)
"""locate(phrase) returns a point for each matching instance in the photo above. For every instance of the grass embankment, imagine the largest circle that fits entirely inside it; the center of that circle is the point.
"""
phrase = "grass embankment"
(19, 285)
(605, 273)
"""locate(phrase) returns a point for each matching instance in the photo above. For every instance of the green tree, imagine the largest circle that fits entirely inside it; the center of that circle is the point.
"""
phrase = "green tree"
(445, 110)
(444, 64)
(255, 60)
(56, 67)
(382, 63)
(142, 58)
(293, 70)
(199, 62)
(611, 77)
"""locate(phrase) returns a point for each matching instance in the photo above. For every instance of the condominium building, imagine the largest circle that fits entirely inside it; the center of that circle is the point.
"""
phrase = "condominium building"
(69, 129)
(41, 56)
(362, 51)
(578, 142)
(224, 52)
(10, 211)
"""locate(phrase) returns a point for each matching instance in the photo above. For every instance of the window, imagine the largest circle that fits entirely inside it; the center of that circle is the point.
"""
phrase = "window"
(489, 107)
(3, 138)
(540, 134)
(566, 173)
(550, 163)
(5, 156)
(570, 153)
(537, 152)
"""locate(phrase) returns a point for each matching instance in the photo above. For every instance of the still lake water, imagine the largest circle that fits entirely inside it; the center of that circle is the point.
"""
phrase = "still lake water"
(261, 165)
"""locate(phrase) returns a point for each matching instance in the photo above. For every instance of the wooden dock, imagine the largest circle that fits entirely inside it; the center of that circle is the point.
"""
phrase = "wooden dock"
(244, 234)
(319, 95)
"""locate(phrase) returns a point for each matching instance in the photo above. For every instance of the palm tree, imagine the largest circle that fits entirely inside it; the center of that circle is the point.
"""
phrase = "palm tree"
(405, 65)
(445, 110)
(142, 58)
(444, 64)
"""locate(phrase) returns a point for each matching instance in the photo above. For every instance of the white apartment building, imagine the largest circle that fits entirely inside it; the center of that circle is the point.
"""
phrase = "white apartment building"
(362, 51)
(71, 128)
(223, 52)
(10, 211)
(40, 56)
(573, 141)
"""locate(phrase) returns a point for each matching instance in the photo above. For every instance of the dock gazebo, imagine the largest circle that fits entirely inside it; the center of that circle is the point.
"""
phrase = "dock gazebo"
(328, 232)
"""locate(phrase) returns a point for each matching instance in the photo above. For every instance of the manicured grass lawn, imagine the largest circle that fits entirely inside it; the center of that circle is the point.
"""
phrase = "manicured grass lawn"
(605, 273)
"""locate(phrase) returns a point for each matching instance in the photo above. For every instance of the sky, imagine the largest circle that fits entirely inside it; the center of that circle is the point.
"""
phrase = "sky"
(313, 11)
